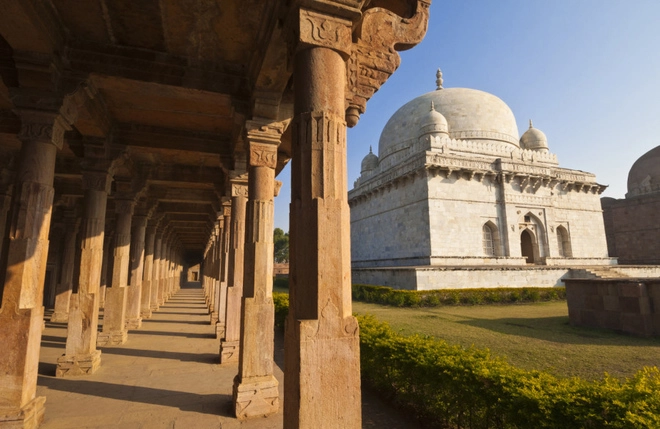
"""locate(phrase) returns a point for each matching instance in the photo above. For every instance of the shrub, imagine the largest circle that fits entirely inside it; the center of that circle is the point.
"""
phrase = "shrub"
(281, 301)
(433, 298)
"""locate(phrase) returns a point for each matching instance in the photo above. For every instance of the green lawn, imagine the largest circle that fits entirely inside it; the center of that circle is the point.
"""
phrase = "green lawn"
(530, 336)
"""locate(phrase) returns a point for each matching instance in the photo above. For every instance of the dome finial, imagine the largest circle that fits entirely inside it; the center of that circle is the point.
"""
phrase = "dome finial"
(530, 124)
(438, 80)
(370, 149)
(432, 106)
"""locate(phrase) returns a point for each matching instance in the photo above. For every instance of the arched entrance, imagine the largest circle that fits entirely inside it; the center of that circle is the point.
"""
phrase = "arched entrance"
(527, 246)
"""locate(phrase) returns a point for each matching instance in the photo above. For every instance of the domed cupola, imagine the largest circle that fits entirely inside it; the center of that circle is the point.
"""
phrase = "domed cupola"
(370, 162)
(433, 123)
(644, 175)
(534, 139)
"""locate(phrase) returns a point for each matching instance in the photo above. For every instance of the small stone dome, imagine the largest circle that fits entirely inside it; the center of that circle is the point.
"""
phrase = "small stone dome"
(433, 123)
(470, 114)
(370, 162)
(534, 139)
(644, 176)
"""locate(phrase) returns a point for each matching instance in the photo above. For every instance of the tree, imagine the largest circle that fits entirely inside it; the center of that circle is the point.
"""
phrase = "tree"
(281, 245)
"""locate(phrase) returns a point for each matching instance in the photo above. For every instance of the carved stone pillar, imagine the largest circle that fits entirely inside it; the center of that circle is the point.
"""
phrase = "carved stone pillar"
(65, 287)
(81, 356)
(5, 204)
(213, 265)
(223, 271)
(322, 343)
(155, 279)
(164, 265)
(108, 243)
(229, 346)
(21, 314)
(134, 298)
(255, 391)
(114, 314)
(145, 300)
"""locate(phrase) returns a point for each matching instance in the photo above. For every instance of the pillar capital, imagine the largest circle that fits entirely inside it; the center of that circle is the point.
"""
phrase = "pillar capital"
(313, 26)
(42, 127)
(124, 206)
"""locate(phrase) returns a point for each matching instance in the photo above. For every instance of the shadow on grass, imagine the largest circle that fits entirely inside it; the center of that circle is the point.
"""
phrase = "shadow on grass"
(558, 330)
(215, 404)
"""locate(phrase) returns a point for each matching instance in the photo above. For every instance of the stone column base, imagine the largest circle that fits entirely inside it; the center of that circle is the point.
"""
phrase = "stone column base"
(154, 307)
(113, 338)
(229, 351)
(255, 397)
(28, 417)
(145, 314)
(59, 317)
(214, 317)
(73, 366)
(220, 330)
(134, 323)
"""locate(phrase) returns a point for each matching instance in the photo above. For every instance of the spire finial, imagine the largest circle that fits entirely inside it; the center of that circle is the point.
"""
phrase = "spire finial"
(530, 124)
(370, 149)
(432, 106)
(438, 80)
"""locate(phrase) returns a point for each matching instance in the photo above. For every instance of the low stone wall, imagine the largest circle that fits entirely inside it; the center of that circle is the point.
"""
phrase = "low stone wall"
(429, 278)
(625, 305)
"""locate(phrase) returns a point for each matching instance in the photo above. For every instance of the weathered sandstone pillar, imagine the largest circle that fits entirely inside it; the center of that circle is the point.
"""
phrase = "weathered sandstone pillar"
(147, 276)
(223, 258)
(5, 204)
(229, 346)
(81, 356)
(65, 287)
(114, 313)
(212, 268)
(155, 279)
(164, 262)
(322, 382)
(21, 314)
(255, 390)
(108, 243)
(134, 297)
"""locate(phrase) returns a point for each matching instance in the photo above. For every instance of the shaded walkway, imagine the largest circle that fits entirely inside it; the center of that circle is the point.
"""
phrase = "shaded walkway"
(166, 376)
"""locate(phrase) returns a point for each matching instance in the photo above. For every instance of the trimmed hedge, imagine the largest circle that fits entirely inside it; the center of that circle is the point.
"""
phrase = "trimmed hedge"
(452, 387)
(281, 282)
(448, 386)
(434, 298)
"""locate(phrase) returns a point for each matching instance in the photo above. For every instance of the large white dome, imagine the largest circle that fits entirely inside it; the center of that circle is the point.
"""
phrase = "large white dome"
(471, 115)
(644, 175)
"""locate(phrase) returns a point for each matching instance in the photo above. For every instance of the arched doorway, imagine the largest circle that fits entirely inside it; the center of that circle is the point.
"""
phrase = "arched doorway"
(527, 246)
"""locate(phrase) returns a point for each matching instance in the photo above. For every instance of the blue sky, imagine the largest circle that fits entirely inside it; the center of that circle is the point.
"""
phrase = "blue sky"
(587, 73)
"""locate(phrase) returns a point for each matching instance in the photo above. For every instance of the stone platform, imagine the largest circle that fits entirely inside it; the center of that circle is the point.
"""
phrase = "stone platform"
(167, 375)
(490, 276)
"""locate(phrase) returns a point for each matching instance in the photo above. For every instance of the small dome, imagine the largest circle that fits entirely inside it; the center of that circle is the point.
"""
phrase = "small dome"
(644, 176)
(534, 139)
(369, 162)
(433, 123)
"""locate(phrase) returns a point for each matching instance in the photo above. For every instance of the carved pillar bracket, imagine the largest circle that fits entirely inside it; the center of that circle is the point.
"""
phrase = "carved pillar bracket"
(374, 57)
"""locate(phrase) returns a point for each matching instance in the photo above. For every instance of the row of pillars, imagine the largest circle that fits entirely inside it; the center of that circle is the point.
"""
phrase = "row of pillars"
(322, 378)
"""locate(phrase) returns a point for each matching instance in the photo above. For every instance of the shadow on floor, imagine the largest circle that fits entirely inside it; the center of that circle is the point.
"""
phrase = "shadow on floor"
(216, 404)
(211, 358)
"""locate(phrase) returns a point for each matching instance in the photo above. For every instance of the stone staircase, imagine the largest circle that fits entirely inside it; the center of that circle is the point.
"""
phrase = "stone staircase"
(597, 273)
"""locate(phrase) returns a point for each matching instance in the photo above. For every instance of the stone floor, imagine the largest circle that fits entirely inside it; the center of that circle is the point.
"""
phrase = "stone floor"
(166, 376)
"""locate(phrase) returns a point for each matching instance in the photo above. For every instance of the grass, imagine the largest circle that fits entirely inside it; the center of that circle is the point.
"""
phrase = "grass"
(530, 336)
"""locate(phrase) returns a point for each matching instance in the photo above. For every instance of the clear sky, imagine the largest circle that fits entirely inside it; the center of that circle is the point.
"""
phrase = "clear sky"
(587, 72)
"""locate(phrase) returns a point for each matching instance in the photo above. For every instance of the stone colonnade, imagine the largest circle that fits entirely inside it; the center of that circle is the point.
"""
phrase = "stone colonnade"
(340, 55)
